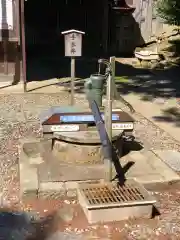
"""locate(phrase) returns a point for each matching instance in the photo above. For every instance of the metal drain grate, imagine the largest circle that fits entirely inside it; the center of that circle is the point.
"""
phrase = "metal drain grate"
(107, 194)
(108, 202)
(112, 194)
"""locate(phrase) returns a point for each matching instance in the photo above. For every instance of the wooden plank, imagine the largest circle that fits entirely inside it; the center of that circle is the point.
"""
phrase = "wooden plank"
(115, 94)
(5, 46)
(149, 15)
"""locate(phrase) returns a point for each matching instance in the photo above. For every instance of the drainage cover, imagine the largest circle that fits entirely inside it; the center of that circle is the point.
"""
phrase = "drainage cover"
(112, 194)
(110, 202)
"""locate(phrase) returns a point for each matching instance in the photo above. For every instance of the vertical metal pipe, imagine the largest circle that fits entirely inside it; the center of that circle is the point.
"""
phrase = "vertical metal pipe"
(108, 122)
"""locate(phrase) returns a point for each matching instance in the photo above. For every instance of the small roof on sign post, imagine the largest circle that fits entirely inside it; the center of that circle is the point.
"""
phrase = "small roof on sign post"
(72, 31)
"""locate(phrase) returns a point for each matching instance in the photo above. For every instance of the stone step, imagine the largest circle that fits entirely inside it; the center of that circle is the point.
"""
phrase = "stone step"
(55, 172)
(146, 168)
(161, 171)
(42, 168)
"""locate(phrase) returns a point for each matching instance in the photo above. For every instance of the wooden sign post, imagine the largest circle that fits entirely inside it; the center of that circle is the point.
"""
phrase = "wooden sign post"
(73, 48)
(115, 94)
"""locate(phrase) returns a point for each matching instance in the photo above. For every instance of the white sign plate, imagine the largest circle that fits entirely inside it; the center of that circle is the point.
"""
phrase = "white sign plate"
(73, 45)
(6, 14)
(65, 128)
(122, 126)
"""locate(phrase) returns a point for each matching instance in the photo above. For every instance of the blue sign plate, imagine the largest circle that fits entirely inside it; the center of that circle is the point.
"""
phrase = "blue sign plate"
(84, 118)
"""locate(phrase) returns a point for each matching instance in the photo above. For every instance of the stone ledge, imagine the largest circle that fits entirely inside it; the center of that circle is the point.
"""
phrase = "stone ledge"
(85, 137)
(29, 183)
(62, 189)
(147, 168)
(55, 172)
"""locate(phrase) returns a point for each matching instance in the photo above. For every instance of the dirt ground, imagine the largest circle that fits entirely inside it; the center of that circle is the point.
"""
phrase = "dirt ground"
(67, 217)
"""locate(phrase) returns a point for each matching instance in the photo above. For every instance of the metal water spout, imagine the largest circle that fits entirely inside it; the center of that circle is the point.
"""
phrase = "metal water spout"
(94, 92)
(94, 85)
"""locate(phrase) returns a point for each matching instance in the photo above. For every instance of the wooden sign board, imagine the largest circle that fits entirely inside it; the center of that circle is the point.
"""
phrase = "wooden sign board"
(59, 119)
(73, 43)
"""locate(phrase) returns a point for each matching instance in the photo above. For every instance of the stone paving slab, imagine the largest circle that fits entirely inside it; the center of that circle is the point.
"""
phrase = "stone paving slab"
(153, 112)
(56, 172)
(65, 236)
(144, 166)
(170, 157)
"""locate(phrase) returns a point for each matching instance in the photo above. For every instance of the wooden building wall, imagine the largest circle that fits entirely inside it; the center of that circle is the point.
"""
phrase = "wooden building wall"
(126, 33)
(9, 47)
(121, 32)
(134, 28)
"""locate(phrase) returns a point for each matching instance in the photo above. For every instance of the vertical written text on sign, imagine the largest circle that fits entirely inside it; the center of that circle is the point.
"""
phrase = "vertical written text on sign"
(73, 45)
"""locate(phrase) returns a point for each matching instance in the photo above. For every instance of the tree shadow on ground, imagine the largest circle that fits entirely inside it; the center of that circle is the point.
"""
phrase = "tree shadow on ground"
(170, 115)
(149, 84)
(162, 82)
(169, 87)
(158, 86)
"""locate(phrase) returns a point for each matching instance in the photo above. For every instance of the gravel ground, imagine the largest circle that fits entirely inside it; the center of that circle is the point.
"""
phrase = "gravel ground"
(19, 119)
